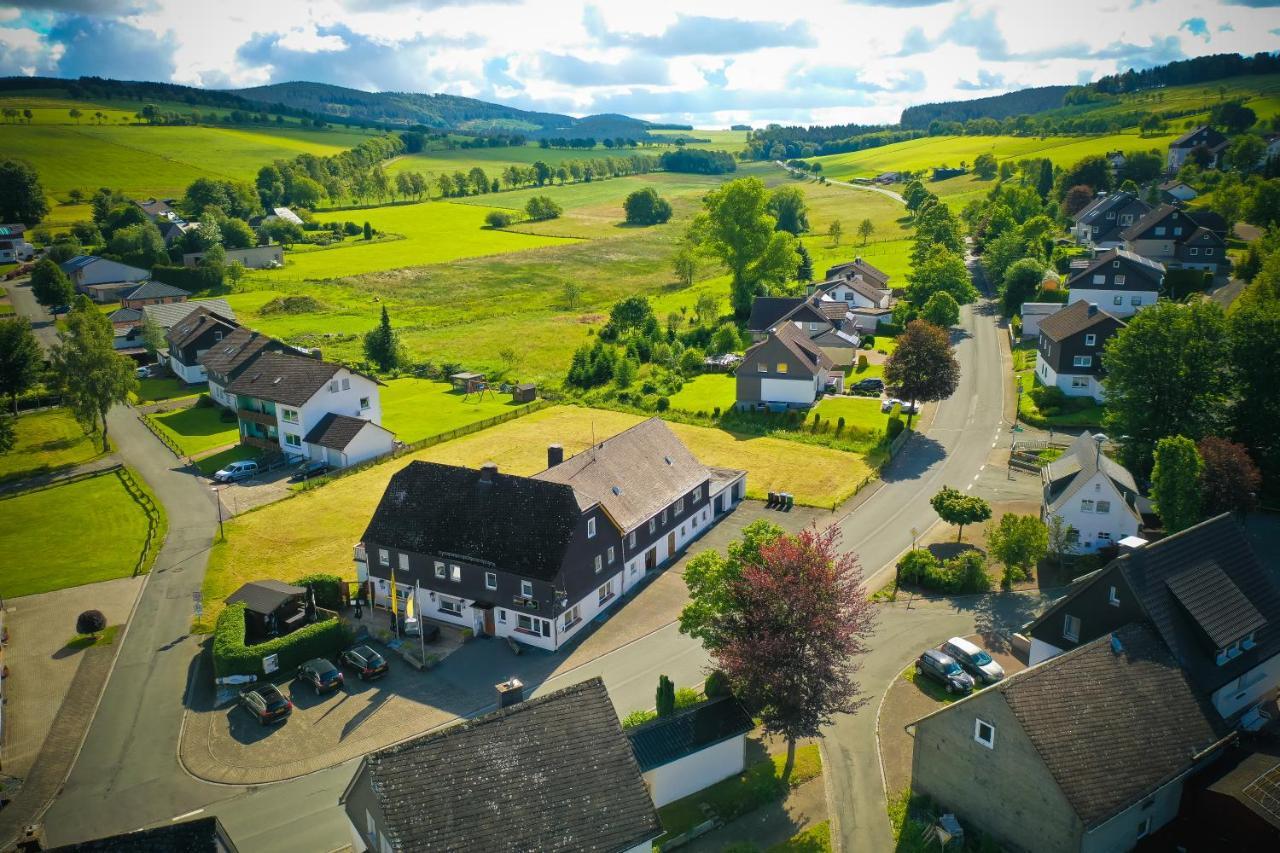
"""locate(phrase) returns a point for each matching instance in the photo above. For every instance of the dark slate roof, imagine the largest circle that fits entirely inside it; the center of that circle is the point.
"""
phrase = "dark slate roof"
(336, 431)
(283, 378)
(1130, 264)
(1096, 209)
(766, 311)
(1202, 135)
(859, 266)
(1111, 727)
(555, 773)
(195, 324)
(669, 739)
(1216, 604)
(169, 314)
(156, 290)
(202, 835)
(519, 524)
(235, 351)
(1220, 543)
(1074, 319)
(1154, 218)
(126, 315)
(633, 475)
(1212, 220)
(265, 596)
(800, 346)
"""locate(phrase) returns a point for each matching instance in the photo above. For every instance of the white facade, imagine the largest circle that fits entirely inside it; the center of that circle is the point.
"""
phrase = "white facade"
(192, 374)
(16, 251)
(692, 773)
(1071, 384)
(1041, 651)
(1114, 302)
(220, 395)
(371, 441)
(1248, 689)
(1098, 512)
(800, 390)
(346, 393)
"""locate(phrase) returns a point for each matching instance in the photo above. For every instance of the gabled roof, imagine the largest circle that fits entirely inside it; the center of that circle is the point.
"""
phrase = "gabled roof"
(236, 351)
(1202, 236)
(155, 290)
(1074, 319)
(201, 835)
(798, 344)
(554, 773)
(195, 324)
(766, 311)
(669, 739)
(265, 596)
(1152, 271)
(78, 262)
(155, 207)
(1154, 217)
(337, 431)
(283, 378)
(860, 267)
(1066, 475)
(1097, 209)
(1202, 135)
(125, 315)
(167, 314)
(633, 475)
(1216, 604)
(520, 524)
(1110, 726)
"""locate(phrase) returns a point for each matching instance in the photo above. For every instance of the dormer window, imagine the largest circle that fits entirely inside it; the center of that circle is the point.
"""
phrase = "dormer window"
(1234, 650)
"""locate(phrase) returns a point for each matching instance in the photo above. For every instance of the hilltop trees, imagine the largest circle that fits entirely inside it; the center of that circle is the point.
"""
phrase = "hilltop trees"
(20, 359)
(21, 196)
(646, 207)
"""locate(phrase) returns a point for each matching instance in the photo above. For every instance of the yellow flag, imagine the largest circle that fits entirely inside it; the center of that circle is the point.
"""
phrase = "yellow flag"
(408, 606)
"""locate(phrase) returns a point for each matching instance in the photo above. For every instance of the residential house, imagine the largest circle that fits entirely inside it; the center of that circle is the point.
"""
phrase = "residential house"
(1084, 753)
(233, 355)
(159, 210)
(1032, 315)
(1176, 192)
(869, 301)
(283, 399)
(126, 328)
(877, 278)
(692, 749)
(785, 369)
(1116, 160)
(168, 314)
(190, 338)
(153, 293)
(1100, 223)
(198, 835)
(1092, 493)
(1119, 281)
(1215, 606)
(253, 258)
(1178, 240)
(100, 279)
(766, 311)
(536, 559)
(553, 774)
(1211, 140)
(174, 231)
(14, 248)
(829, 326)
(1069, 353)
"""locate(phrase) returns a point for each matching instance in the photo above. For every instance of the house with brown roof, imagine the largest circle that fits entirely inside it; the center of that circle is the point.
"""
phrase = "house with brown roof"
(859, 267)
(233, 355)
(288, 403)
(1174, 237)
(188, 339)
(785, 370)
(536, 559)
(1101, 221)
(153, 293)
(1088, 751)
(1213, 141)
(1069, 350)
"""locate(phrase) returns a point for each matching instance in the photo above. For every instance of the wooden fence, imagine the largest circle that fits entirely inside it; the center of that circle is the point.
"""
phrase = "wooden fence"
(144, 500)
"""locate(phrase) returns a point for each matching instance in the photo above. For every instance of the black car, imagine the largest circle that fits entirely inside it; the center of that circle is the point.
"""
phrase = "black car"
(944, 669)
(365, 661)
(873, 384)
(321, 675)
(266, 702)
(309, 470)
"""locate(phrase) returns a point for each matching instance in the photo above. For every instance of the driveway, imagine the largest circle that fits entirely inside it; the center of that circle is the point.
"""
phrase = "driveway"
(24, 303)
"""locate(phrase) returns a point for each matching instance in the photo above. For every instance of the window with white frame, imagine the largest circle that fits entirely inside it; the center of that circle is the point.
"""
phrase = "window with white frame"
(984, 733)
(452, 606)
(1071, 628)
(1135, 300)
(1086, 505)
(1079, 381)
(1103, 536)
(490, 580)
(289, 416)
(1194, 251)
(1117, 300)
(631, 539)
(1144, 827)
(1113, 598)
(526, 589)
(1100, 278)
(364, 403)
(679, 505)
(572, 617)
(502, 616)
(404, 562)
(1208, 251)
(605, 592)
(1090, 340)
(384, 557)
(1119, 281)
(292, 440)
(440, 570)
(599, 563)
(611, 555)
(1082, 361)
(455, 573)
(697, 493)
(664, 518)
(653, 525)
(346, 383)
(591, 528)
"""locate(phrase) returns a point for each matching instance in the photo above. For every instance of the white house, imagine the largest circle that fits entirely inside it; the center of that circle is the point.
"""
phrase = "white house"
(282, 398)
(1033, 313)
(14, 248)
(1093, 493)
(1119, 281)
(692, 749)
(190, 338)
(788, 369)
(253, 258)
(100, 279)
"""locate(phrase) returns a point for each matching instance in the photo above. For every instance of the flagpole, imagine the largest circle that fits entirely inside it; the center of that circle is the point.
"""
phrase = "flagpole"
(395, 603)
(422, 633)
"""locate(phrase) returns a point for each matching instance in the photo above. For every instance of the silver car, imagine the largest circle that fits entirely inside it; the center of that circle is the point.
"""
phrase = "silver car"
(974, 660)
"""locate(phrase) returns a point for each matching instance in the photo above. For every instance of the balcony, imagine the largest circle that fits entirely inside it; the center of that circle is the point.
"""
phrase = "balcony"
(255, 417)
(260, 443)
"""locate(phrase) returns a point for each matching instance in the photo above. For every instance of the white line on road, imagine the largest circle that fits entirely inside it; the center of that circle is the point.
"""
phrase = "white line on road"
(969, 487)
(981, 468)
(185, 816)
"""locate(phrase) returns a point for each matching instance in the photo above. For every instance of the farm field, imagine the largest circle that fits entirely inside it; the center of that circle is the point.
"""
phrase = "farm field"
(1261, 93)
(83, 532)
(47, 441)
(417, 408)
(336, 514)
(722, 140)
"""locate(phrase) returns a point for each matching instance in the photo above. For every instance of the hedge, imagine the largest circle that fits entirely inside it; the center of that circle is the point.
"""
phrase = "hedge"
(232, 657)
(328, 589)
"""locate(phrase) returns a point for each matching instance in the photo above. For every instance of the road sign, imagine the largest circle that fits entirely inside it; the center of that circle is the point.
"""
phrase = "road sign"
(270, 664)
(197, 596)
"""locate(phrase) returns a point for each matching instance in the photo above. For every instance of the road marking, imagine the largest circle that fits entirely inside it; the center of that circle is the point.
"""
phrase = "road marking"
(975, 477)
(969, 487)
(185, 816)
(981, 468)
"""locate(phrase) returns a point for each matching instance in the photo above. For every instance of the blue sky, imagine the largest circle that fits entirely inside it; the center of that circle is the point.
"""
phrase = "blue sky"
(704, 62)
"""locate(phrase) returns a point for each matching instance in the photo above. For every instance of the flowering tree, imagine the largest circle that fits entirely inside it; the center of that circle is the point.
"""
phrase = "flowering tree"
(790, 643)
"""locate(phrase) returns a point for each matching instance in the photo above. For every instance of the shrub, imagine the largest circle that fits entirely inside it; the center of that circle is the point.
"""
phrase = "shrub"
(916, 566)
(716, 685)
(1047, 397)
(498, 219)
(869, 342)
(327, 589)
(840, 425)
(90, 622)
(686, 697)
(967, 572)
(665, 701)
(862, 362)
(638, 718)
(663, 404)
(894, 428)
(232, 657)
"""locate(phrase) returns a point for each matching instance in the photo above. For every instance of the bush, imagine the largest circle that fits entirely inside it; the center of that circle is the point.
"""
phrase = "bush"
(869, 342)
(716, 685)
(862, 362)
(894, 428)
(327, 589)
(498, 219)
(916, 566)
(663, 404)
(638, 718)
(1047, 397)
(687, 697)
(90, 622)
(967, 572)
(232, 657)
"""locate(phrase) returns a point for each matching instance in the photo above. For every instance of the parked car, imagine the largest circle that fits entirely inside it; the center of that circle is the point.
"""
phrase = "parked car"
(266, 702)
(412, 626)
(309, 470)
(944, 669)
(887, 405)
(365, 661)
(973, 660)
(872, 384)
(242, 470)
(321, 675)
(60, 309)
(908, 408)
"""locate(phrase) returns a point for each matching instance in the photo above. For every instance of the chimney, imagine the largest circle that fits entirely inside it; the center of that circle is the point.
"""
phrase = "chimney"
(1129, 544)
(1098, 441)
(510, 692)
(555, 455)
(314, 352)
(488, 471)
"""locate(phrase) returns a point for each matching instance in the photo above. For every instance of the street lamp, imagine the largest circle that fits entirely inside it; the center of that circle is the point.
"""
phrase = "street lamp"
(217, 498)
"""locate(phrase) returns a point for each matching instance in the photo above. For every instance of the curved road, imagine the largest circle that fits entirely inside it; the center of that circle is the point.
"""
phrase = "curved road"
(127, 775)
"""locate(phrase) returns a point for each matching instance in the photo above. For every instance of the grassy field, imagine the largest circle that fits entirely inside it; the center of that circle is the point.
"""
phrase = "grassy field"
(197, 429)
(315, 530)
(68, 535)
(1259, 93)
(416, 408)
(47, 441)
(722, 140)
(152, 390)
(705, 393)
(858, 412)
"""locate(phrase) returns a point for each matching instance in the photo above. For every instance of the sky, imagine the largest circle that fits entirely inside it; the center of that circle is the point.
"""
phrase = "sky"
(709, 63)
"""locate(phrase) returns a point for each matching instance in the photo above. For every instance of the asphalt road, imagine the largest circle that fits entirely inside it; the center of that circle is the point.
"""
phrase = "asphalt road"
(24, 303)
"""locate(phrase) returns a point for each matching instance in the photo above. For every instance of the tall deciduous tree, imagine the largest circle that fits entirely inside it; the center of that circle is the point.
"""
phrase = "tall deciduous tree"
(788, 206)
(711, 578)
(92, 376)
(834, 232)
(381, 345)
(1021, 282)
(21, 196)
(955, 507)
(1254, 344)
(735, 226)
(922, 368)
(20, 359)
(865, 229)
(792, 645)
(1229, 481)
(1175, 482)
(1019, 542)
(941, 310)
(50, 285)
(1166, 375)
(941, 271)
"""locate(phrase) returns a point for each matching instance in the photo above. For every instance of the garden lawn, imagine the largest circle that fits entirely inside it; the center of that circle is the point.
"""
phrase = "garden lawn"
(152, 390)
(47, 441)
(314, 530)
(1076, 411)
(76, 533)
(706, 393)
(417, 408)
(815, 839)
(862, 413)
(197, 429)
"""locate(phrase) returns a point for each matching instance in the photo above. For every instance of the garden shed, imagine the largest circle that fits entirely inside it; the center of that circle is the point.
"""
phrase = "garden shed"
(271, 608)
(525, 392)
(681, 754)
